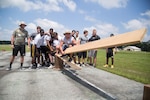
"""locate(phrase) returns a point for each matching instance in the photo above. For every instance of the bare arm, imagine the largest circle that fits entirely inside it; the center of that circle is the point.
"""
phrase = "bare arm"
(61, 47)
(49, 45)
(12, 41)
(74, 42)
(28, 42)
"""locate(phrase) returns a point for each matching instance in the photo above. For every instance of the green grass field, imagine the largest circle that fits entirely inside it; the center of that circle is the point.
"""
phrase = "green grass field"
(8, 48)
(133, 65)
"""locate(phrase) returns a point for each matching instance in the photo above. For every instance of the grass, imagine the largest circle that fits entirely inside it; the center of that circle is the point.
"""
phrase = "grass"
(8, 48)
(132, 65)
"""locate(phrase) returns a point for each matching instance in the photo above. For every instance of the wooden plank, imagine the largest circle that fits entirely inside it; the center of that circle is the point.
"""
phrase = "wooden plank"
(72, 65)
(58, 63)
(146, 94)
(118, 40)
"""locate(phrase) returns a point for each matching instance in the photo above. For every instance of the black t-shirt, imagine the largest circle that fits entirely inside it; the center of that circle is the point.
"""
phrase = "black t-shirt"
(93, 38)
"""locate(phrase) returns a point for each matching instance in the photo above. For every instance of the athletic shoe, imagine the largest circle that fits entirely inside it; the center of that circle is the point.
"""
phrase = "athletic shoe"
(8, 69)
(105, 65)
(112, 66)
(91, 64)
(38, 65)
(51, 66)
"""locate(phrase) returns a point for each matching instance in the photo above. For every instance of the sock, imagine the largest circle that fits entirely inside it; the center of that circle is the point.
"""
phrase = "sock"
(21, 65)
(10, 64)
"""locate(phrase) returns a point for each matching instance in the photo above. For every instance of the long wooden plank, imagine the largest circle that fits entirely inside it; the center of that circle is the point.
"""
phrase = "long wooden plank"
(118, 40)
(73, 66)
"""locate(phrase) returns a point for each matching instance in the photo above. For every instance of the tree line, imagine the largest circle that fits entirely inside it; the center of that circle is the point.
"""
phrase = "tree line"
(145, 46)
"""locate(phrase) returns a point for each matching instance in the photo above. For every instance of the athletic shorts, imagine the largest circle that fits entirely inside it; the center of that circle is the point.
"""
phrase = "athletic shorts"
(92, 53)
(109, 54)
(45, 49)
(82, 54)
(19, 48)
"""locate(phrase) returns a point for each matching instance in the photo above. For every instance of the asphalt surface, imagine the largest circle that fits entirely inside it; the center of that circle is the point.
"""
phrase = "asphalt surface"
(47, 84)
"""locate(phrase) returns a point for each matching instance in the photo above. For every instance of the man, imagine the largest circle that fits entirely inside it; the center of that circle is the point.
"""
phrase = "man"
(110, 54)
(67, 41)
(18, 43)
(93, 53)
(83, 55)
(38, 42)
(32, 37)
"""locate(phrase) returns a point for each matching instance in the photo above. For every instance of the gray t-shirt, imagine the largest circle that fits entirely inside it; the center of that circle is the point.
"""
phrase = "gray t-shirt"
(83, 40)
(20, 36)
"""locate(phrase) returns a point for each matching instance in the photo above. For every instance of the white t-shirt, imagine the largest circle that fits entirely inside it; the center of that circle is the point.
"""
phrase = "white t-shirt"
(37, 40)
(68, 41)
(44, 40)
(57, 42)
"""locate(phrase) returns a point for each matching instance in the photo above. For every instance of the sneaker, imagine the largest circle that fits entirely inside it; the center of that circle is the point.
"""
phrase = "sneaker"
(112, 66)
(91, 64)
(8, 69)
(94, 65)
(51, 66)
(105, 65)
(83, 65)
(38, 65)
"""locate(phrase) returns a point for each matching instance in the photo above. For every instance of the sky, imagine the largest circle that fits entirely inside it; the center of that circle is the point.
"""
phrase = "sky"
(106, 16)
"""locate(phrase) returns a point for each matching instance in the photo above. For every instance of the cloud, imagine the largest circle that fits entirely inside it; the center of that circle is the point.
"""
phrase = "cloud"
(5, 34)
(70, 4)
(108, 4)
(47, 5)
(147, 13)
(31, 27)
(47, 24)
(103, 29)
(81, 11)
(91, 19)
(137, 24)
(146, 38)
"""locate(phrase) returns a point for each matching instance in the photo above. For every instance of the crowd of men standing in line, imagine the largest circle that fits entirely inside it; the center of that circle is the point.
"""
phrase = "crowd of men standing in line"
(45, 45)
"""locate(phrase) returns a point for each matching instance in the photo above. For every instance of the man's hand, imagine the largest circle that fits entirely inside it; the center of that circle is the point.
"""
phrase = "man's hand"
(28, 46)
(12, 46)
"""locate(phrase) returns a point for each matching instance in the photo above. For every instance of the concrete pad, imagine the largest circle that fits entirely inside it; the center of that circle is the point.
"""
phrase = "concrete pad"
(40, 84)
(47, 84)
(120, 87)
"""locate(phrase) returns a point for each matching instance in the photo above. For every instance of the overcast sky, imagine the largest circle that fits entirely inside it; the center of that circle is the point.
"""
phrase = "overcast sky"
(107, 16)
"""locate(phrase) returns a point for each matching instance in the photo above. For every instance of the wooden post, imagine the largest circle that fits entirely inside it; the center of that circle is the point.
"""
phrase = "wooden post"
(58, 63)
(146, 94)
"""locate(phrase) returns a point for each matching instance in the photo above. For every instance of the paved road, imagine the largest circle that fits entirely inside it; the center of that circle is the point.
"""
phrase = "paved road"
(47, 84)
(39, 84)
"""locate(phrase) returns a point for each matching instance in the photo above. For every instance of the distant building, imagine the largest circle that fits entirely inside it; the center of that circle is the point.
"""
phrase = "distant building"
(132, 48)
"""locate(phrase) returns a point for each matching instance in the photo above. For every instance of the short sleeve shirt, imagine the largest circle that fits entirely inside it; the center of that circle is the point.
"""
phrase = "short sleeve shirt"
(94, 38)
(20, 36)
(68, 41)
(84, 39)
(44, 40)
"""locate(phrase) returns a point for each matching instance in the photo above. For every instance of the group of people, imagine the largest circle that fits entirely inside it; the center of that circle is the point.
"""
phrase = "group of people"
(45, 45)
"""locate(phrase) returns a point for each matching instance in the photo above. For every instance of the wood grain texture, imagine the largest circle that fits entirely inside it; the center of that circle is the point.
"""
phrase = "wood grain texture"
(65, 60)
(117, 40)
